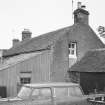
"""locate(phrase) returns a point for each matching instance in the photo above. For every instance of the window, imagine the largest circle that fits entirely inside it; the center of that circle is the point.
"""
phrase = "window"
(75, 91)
(41, 93)
(46, 92)
(25, 80)
(25, 77)
(60, 92)
(72, 49)
(24, 92)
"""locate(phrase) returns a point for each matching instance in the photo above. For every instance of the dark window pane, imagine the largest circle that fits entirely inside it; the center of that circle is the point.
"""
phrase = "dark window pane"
(70, 45)
(72, 52)
(25, 80)
(73, 45)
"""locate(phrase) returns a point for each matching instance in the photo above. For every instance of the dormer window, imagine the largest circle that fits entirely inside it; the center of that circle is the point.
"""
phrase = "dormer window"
(72, 49)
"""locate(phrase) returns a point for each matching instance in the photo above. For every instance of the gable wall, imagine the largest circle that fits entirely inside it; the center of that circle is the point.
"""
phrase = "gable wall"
(60, 60)
(86, 39)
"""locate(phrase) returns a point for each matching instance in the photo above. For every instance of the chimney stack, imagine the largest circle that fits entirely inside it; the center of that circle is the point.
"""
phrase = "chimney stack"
(26, 34)
(81, 14)
(15, 42)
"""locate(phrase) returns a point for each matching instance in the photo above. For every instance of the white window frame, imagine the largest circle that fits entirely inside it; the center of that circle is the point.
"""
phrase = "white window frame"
(72, 48)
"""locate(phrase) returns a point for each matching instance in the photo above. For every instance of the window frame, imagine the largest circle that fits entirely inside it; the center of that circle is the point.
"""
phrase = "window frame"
(22, 80)
(25, 75)
(72, 49)
(41, 97)
(54, 91)
(75, 93)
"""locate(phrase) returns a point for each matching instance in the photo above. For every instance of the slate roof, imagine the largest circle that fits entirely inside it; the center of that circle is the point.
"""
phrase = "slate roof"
(41, 42)
(93, 61)
(75, 32)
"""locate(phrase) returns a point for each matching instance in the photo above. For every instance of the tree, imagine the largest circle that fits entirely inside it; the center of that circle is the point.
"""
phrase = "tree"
(101, 30)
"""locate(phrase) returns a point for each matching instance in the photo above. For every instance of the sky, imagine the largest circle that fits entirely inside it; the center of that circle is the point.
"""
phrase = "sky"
(42, 16)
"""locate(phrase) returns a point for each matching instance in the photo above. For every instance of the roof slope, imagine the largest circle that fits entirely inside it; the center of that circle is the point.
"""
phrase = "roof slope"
(85, 37)
(37, 43)
(18, 59)
(93, 61)
(75, 32)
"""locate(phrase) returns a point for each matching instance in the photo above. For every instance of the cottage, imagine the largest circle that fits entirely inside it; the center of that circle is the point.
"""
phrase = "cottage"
(58, 51)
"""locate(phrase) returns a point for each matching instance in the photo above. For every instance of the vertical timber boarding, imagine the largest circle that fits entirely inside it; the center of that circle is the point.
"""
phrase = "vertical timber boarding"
(39, 66)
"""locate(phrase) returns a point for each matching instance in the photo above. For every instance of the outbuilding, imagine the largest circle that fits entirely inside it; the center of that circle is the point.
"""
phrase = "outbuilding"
(24, 68)
(89, 72)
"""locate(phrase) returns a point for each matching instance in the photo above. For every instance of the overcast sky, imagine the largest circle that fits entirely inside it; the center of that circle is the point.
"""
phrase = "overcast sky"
(41, 16)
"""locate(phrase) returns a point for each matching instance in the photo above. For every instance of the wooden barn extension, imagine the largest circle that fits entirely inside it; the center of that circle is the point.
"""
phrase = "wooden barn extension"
(29, 68)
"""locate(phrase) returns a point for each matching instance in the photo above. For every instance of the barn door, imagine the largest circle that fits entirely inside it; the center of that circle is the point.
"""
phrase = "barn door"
(3, 92)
